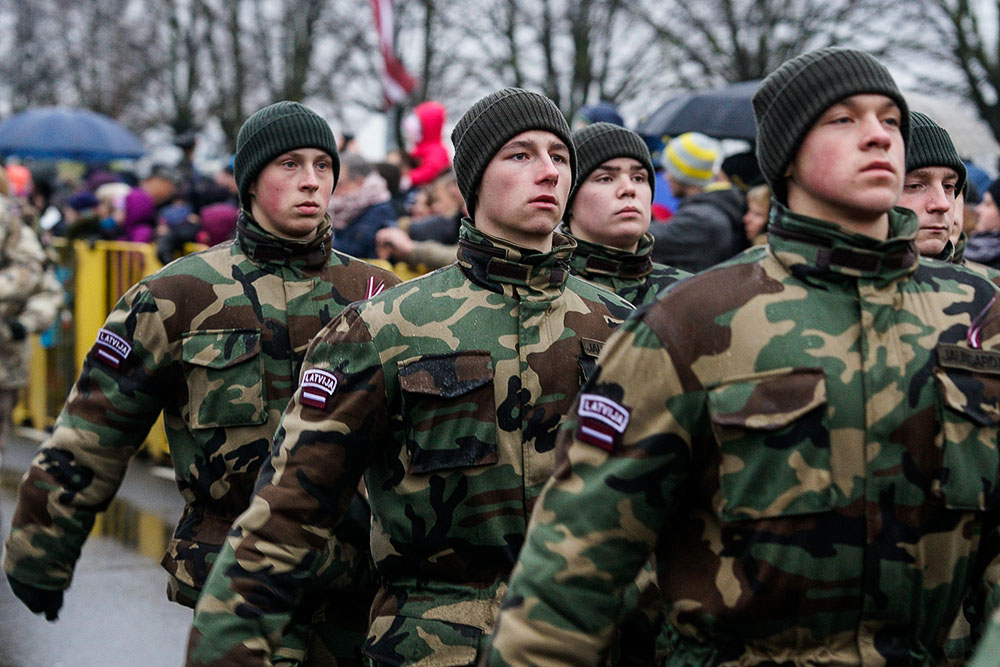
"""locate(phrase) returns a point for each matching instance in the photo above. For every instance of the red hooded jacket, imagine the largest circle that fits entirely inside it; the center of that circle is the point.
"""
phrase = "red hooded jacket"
(430, 153)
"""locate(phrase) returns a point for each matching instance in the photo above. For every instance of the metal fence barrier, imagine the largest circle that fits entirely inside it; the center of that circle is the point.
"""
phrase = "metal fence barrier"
(95, 275)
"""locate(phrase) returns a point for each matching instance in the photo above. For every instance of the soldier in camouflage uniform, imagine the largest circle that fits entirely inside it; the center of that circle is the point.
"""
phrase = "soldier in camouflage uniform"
(446, 394)
(806, 435)
(215, 341)
(935, 175)
(609, 213)
(22, 281)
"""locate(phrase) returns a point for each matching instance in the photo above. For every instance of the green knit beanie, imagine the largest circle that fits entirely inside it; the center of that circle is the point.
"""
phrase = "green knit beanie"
(794, 96)
(492, 122)
(600, 142)
(931, 146)
(273, 130)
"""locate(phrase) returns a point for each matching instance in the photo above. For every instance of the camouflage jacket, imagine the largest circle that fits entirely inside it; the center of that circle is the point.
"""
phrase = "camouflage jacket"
(22, 262)
(988, 650)
(446, 392)
(634, 277)
(215, 341)
(958, 257)
(807, 437)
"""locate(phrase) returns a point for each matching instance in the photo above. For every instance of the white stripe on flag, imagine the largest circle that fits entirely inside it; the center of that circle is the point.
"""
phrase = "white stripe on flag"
(595, 433)
(312, 396)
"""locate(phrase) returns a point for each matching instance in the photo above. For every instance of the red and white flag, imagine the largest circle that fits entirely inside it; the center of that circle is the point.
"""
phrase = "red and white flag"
(396, 81)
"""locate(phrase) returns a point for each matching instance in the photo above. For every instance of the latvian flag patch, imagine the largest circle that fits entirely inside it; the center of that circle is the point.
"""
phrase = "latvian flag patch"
(111, 348)
(317, 388)
(602, 421)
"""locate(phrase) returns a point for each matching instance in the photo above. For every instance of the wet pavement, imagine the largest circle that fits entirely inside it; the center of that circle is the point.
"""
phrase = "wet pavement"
(115, 613)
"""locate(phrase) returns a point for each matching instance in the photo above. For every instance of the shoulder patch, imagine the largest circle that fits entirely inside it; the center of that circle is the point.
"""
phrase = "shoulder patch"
(111, 348)
(317, 387)
(602, 421)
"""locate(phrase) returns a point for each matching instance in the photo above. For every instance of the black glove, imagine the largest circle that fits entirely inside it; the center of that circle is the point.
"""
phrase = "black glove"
(38, 600)
(17, 330)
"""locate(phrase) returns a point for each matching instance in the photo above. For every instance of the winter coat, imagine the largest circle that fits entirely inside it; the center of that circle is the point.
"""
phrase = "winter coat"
(706, 229)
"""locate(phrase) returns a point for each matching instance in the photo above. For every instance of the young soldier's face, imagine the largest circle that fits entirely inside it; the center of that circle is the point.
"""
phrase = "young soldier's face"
(987, 215)
(291, 194)
(523, 192)
(849, 168)
(930, 193)
(612, 205)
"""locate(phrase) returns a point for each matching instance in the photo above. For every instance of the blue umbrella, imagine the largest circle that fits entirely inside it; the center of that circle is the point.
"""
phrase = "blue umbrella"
(723, 113)
(72, 134)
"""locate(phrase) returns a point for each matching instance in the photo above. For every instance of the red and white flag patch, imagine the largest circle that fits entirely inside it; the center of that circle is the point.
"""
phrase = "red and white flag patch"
(317, 388)
(602, 421)
(111, 348)
(374, 289)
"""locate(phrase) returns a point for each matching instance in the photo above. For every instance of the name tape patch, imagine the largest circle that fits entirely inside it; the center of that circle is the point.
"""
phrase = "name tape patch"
(965, 358)
(111, 348)
(591, 347)
(317, 387)
(602, 421)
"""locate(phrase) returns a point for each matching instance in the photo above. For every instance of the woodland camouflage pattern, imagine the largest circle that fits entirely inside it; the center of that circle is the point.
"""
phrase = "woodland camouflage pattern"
(215, 341)
(632, 276)
(23, 280)
(809, 443)
(447, 394)
(988, 651)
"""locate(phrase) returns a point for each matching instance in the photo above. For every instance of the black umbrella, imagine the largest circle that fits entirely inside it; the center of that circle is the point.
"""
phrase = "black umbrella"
(723, 113)
(74, 134)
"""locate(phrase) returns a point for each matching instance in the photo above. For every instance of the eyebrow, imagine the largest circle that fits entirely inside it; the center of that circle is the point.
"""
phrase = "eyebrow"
(323, 155)
(607, 167)
(926, 174)
(853, 105)
(524, 143)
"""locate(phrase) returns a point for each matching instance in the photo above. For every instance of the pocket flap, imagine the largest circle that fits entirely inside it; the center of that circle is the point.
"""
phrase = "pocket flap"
(220, 348)
(768, 402)
(446, 375)
(971, 394)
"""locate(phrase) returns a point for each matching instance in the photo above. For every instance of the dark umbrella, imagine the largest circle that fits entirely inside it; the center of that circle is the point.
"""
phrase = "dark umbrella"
(72, 134)
(723, 113)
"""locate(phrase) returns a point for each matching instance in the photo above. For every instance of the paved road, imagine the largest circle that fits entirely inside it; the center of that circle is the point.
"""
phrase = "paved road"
(116, 613)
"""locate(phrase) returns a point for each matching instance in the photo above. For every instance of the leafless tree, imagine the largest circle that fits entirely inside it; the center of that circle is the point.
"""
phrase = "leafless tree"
(961, 34)
(717, 41)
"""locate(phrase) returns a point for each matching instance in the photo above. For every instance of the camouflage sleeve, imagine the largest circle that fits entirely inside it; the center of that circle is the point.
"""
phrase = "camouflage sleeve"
(42, 307)
(988, 648)
(623, 455)
(77, 471)
(326, 436)
(23, 261)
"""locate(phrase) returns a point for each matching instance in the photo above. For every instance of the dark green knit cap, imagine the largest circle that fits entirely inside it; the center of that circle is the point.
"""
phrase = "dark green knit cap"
(600, 142)
(931, 146)
(492, 122)
(794, 96)
(273, 130)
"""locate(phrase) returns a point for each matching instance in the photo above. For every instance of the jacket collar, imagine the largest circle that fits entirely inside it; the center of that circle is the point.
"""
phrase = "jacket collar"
(268, 250)
(809, 246)
(501, 266)
(593, 259)
(958, 255)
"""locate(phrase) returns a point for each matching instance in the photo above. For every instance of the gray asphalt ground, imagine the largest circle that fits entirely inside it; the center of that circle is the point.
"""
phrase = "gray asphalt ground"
(116, 612)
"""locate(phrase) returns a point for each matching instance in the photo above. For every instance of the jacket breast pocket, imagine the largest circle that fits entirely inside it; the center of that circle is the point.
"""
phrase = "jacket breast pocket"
(224, 372)
(774, 444)
(448, 411)
(969, 414)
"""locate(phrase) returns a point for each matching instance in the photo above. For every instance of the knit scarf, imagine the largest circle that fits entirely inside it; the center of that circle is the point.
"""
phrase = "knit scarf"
(344, 208)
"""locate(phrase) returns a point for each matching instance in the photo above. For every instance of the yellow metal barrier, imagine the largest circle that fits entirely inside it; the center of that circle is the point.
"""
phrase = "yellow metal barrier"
(96, 275)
